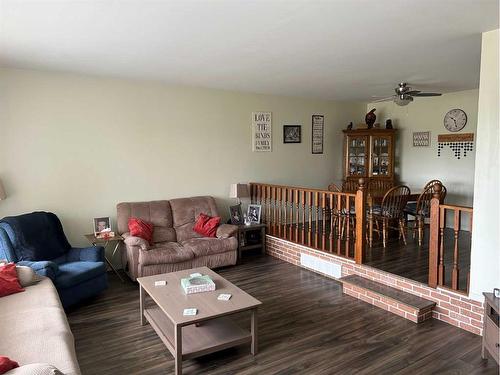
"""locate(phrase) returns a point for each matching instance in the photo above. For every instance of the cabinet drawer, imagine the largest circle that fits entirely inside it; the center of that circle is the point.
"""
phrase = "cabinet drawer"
(491, 337)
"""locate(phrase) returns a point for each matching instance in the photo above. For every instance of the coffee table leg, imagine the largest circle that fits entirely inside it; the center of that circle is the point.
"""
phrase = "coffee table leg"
(141, 304)
(178, 350)
(254, 330)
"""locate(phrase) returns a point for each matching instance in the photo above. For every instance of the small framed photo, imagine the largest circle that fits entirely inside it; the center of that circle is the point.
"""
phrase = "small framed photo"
(102, 225)
(253, 213)
(292, 134)
(236, 215)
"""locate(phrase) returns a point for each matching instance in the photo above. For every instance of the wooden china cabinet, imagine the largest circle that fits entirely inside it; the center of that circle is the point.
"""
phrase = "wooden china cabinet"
(369, 153)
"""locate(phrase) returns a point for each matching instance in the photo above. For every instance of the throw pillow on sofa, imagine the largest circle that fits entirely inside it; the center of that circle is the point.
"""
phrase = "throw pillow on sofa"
(27, 276)
(35, 369)
(141, 228)
(207, 225)
(9, 283)
(7, 364)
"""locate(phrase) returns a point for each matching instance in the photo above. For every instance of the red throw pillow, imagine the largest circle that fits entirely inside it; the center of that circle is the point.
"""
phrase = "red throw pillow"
(207, 225)
(140, 228)
(9, 283)
(6, 364)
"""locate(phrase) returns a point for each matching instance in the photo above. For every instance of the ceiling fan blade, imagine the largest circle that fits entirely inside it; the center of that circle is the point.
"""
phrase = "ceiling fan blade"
(413, 92)
(384, 99)
(427, 94)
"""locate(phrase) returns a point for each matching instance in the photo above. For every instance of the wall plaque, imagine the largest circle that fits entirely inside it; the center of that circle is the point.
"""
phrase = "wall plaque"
(262, 136)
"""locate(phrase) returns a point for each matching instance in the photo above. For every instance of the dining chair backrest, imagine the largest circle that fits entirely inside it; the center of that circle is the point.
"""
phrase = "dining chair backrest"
(349, 186)
(334, 188)
(432, 182)
(378, 188)
(424, 199)
(394, 201)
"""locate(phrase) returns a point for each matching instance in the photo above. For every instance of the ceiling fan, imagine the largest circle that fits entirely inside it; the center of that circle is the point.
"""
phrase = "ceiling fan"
(405, 94)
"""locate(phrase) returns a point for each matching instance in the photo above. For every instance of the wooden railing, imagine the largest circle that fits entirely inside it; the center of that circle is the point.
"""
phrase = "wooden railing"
(447, 244)
(321, 219)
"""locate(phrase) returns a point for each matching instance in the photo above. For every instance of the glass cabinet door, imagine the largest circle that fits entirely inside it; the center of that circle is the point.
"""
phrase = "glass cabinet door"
(357, 155)
(381, 163)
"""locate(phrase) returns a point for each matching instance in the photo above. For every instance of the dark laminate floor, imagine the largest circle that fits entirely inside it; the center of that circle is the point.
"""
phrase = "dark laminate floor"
(410, 260)
(306, 327)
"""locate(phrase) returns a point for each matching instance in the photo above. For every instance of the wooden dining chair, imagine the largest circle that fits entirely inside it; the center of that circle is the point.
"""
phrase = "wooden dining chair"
(379, 187)
(349, 186)
(422, 207)
(390, 212)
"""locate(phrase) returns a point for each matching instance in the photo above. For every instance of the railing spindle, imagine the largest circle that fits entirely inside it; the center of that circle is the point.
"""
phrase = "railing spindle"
(455, 271)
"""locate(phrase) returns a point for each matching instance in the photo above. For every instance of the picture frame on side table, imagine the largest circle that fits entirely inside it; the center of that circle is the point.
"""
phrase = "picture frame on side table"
(102, 225)
(253, 213)
(292, 134)
(236, 215)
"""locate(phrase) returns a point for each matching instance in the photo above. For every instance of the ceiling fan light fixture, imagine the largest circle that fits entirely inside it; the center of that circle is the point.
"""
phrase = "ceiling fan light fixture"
(403, 100)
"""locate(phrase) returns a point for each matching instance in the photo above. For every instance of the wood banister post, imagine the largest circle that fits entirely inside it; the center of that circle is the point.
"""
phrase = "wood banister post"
(434, 237)
(360, 207)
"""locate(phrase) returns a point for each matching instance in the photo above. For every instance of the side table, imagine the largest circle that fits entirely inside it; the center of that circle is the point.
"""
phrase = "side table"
(491, 329)
(104, 242)
(243, 240)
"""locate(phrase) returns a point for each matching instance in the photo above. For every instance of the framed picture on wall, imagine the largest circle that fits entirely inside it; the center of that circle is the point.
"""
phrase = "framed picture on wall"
(318, 125)
(291, 134)
(421, 139)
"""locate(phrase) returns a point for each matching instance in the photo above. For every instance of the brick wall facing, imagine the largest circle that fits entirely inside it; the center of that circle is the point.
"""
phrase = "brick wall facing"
(453, 308)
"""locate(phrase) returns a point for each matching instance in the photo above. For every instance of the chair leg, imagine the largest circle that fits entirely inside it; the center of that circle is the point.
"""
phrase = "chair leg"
(420, 230)
(384, 232)
(402, 230)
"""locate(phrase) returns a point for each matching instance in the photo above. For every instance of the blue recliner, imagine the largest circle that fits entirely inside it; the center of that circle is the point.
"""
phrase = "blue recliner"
(37, 240)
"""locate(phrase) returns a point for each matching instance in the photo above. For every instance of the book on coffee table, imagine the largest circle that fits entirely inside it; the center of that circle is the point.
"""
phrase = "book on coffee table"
(197, 284)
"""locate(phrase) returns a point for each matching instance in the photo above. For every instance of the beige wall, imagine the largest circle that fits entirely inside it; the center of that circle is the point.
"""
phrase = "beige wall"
(417, 165)
(77, 145)
(485, 256)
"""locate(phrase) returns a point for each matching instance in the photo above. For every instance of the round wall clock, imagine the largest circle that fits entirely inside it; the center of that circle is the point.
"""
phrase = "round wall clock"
(455, 120)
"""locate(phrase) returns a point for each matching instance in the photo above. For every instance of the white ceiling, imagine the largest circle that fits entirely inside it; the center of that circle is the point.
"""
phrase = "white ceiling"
(336, 49)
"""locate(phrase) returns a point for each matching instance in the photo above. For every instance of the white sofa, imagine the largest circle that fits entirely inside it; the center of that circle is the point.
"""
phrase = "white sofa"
(35, 330)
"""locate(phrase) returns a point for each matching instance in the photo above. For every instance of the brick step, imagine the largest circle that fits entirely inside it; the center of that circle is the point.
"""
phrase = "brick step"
(406, 305)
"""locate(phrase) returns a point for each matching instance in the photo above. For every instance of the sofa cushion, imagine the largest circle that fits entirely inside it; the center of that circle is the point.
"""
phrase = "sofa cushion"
(165, 252)
(207, 246)
(158, 213)
(185, 211)
(42, 333)
(74, 273)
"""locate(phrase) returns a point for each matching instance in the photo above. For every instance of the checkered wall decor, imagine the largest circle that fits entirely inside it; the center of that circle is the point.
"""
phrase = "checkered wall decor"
(457, 143)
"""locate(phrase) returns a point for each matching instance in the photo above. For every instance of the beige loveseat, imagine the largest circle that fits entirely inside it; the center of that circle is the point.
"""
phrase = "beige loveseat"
(175, 245)
(34, 329)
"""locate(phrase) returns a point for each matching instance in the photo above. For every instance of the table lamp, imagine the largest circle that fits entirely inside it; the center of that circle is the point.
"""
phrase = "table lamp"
(238, 191)
(2, 192)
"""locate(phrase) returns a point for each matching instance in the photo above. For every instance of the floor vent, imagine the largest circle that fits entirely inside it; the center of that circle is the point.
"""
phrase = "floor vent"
(320, 265)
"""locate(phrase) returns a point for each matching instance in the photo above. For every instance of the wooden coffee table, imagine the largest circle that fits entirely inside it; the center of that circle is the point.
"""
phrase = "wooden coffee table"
(210, 330)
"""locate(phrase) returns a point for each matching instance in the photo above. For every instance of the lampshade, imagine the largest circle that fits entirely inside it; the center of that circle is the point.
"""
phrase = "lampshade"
(2, 192)
(238, 191)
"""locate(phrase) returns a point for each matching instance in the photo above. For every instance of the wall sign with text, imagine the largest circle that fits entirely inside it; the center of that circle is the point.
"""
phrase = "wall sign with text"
(262, 135)
(318, 127)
